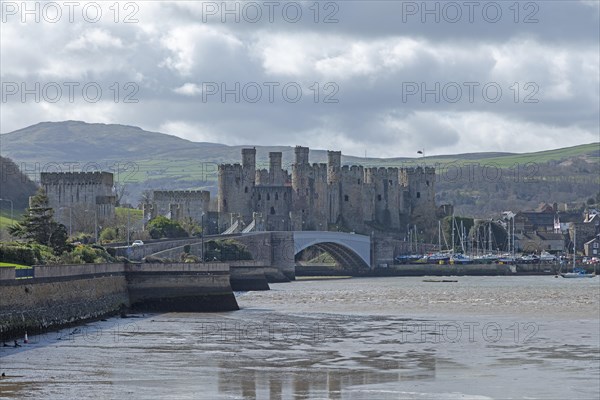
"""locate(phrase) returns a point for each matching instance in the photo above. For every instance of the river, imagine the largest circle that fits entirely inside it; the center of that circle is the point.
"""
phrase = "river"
(369, 338)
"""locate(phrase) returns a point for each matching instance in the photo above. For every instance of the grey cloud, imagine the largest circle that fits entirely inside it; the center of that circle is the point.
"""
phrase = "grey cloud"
(559, 54)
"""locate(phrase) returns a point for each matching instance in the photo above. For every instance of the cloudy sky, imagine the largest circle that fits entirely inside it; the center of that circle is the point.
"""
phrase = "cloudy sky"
(387, 77)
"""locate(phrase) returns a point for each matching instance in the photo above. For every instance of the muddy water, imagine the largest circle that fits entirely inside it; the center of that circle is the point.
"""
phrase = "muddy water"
(380, 338)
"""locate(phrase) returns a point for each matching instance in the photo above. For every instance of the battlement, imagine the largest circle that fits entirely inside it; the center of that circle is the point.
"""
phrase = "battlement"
(418, 170)
(301, 154)
(319, 168)
(354, 171)
(76, 178)
(230, 167)
(382, 172)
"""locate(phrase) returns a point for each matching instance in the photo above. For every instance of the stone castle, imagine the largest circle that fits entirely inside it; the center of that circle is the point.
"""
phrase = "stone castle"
(77, 197)
(324, 196)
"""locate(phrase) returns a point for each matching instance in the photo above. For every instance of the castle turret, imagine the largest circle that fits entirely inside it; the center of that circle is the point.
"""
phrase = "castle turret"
(301, 174)
(249, 164)
(301, 155)
(235, 191)
(275, 171)
(334, 165)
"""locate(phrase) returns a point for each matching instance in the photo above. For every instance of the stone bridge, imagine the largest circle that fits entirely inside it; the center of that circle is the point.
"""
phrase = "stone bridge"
(274, 251)
(350, 250)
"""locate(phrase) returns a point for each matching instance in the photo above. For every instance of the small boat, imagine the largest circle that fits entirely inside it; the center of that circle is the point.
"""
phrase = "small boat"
(547, 257)
(486, 258)
(437, 257)
(529, 259)
(506, 258)
(578, 273)
(408, 258)
(459, 258)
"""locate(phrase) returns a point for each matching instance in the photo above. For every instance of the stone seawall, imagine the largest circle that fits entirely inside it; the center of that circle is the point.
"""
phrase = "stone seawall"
(180, 287)
(63, 295)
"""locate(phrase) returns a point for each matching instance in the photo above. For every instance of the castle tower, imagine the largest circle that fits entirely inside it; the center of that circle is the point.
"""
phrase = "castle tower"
(384, 196)
(275, 171)
(301, 190)
(334, 165)
(301, 155)
(418, 197)
(351, 193)
(249, 165)
(236, 185)
(75, 196)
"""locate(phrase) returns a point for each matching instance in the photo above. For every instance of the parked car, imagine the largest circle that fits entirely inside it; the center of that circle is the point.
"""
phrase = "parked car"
(137, 243)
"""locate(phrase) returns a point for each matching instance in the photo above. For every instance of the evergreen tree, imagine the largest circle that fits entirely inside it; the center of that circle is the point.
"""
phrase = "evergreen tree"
(38, 224)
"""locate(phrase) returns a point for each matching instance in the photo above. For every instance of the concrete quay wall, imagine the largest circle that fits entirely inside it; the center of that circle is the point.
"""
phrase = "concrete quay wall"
(444, 270)
(180, 287)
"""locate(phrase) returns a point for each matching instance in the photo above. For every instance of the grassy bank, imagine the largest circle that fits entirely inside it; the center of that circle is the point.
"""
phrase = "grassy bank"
(18, 266)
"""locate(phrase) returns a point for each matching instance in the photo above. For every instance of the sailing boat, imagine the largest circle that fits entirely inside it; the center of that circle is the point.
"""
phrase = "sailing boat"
(577, 272)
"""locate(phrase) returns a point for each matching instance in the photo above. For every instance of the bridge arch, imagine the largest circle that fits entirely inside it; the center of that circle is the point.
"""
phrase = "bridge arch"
(349, 249)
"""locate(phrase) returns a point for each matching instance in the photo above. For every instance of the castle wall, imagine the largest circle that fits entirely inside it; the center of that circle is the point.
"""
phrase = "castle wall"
(181, 204)
(274, 203)
(352, 181)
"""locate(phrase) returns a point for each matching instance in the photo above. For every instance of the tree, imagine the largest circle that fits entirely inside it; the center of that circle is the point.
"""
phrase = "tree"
(58, 239)
(37, 222)
(163, 227)
(146, 197)
(38, 225)
(109, 234)
(191, 227)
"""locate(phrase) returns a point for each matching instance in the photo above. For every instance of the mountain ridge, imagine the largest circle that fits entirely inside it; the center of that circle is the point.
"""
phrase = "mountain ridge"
(45, 142)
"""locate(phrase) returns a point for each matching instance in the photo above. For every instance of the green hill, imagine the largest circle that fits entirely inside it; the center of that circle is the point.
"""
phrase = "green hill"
(150, 160)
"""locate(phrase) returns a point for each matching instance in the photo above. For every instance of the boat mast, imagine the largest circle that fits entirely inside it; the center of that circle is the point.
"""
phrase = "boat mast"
(416, 241)
(508, 236)
(490, 237)
(574, 245)
(439, 236)
(462, 236)
(453, 233)
(513, 238)
(476, 242)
